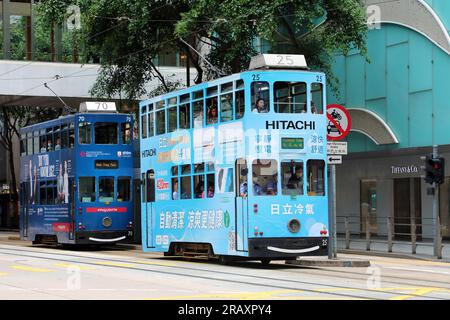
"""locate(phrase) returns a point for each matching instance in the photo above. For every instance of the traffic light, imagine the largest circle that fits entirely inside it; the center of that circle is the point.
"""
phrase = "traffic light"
(438, 170)
(434, 169)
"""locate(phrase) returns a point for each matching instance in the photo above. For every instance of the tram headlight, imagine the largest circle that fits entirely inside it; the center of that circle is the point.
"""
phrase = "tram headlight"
(107, 222)
(294, 225)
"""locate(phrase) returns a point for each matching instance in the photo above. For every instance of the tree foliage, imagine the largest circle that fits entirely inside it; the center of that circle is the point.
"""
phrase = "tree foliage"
(126, 36)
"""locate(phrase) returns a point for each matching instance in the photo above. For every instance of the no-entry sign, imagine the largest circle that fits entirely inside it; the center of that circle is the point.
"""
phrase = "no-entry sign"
(338, 122)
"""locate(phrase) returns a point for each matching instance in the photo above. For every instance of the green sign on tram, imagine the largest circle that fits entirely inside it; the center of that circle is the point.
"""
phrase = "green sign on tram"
(292, 143)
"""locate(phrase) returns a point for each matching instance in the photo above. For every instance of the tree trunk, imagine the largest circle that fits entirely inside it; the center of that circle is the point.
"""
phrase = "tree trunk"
(75, 48)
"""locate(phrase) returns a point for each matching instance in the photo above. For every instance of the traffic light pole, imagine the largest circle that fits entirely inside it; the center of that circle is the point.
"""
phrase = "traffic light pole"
(437, 233)
(332, 241)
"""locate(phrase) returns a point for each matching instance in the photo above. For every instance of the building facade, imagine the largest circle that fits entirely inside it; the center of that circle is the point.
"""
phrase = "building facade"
(400, 107)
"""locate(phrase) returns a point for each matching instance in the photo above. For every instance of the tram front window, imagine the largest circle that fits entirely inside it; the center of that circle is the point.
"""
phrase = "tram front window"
(106, 189)
(265, 177)
(292, 178)
(290, 97)
(87, 189)
(105, 133)
(260, 97)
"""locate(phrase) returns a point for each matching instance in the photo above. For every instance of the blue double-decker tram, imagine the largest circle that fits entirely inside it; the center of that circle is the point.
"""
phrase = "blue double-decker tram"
(76, 178)
(236, 167)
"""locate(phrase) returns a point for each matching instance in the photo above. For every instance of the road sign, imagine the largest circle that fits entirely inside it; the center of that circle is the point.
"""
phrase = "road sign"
(334, 159)
(338, 122)
(337, 147)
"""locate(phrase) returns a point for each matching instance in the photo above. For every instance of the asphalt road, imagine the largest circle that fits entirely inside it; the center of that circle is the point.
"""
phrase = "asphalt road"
(40, 272)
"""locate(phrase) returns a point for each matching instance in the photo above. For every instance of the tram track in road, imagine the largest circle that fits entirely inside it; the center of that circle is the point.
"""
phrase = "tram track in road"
(313, 271)
(328, 289)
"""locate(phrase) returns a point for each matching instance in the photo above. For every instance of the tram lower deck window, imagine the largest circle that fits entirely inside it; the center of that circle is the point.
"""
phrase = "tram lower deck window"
(124, 189)
(86, 189)
(265, 177)
(106, 189)
(316, 177)
(292, 177)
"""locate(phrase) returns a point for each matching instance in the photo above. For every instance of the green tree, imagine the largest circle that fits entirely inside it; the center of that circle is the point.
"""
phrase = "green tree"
(126, 36)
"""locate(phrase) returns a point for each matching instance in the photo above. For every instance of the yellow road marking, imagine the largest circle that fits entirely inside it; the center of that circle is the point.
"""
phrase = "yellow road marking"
(417, 293)
(240, 295)
(164, 264)
(116, 264)
(32, 269)
(68, 265)
(3, 273)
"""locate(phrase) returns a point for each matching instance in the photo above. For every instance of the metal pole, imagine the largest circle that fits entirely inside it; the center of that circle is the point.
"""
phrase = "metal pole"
(436, 212)
(413, 235)
(347, 234)
(389, 231)
(367, 233)
(332, 246)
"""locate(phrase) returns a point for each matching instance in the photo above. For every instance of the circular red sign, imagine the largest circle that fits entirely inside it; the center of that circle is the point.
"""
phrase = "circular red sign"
(338, 122)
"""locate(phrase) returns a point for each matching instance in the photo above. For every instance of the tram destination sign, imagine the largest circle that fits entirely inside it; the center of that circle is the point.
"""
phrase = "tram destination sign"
(106, 164)
(337, 147)
(292, 143)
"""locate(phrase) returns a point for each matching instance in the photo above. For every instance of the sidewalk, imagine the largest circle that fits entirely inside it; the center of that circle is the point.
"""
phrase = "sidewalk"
(424, 250)
(9, 235)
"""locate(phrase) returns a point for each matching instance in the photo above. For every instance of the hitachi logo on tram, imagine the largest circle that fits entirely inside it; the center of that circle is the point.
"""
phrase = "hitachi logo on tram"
(288, 124)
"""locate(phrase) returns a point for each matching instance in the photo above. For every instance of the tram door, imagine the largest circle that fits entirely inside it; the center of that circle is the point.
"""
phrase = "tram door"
(241, 212)
(149, 206)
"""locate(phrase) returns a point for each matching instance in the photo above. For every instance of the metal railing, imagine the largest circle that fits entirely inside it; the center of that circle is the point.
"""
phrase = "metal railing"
(392, 233)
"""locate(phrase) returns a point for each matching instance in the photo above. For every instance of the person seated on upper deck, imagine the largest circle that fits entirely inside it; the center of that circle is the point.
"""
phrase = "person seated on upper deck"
(212, 114)
(260, 106)
(58, 144)
(210, 190)
(313, 107)
(44, 147)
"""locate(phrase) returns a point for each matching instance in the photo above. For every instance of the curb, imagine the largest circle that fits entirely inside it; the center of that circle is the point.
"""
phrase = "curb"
(330, 263)
(391, 255)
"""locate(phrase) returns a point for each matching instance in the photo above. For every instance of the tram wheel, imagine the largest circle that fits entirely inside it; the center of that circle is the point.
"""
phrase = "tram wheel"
(225, 260)
(265, 261)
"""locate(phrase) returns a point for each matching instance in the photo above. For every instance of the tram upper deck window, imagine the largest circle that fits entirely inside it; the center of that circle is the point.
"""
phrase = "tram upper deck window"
(260, 97)
(105, 133)
(71, 135)
(226, 107)
(106, 189)
(57, 136)
(84, 133)
(23, 144)
(317, 98)
(198, 114)
(151, 124)
(212, 110)
(160, 122)
(144, 122)
(173, 120)
(50, 144)
(292, 177)
(86, 189)
(126, 132)
(290, 97)
(315, 178)
(30, 143)
(239, 104)
(64, 136)
(185, 116)
(265, 177)
(36, 142)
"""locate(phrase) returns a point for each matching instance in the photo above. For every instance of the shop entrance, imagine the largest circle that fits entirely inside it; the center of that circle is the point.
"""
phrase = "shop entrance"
(368, 196)
(407, 206)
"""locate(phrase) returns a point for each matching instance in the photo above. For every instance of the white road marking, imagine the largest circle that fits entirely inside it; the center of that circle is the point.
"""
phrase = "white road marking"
(419, 270)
